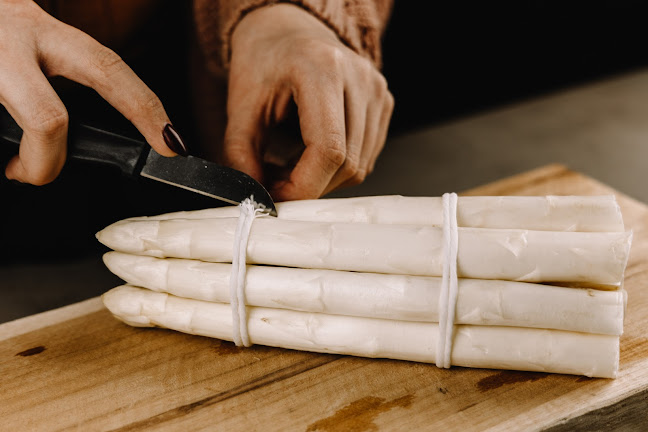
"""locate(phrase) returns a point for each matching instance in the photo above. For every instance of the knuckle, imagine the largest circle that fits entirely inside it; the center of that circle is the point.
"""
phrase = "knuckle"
(318, 63)
(149, 103)
(334, 154)
(381, 82)
(358, 177)
(354, 175)
(332, 56)
(233, 153)
(233, 143)
(50, 121)
(335, 55)
(237, 141)
(380, 85)
(236, 151)
(368, 71)
(390, 102)
(350, 167)
(107, 62)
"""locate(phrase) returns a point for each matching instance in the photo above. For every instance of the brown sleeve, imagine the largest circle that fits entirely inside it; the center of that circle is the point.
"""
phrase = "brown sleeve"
(359, 24)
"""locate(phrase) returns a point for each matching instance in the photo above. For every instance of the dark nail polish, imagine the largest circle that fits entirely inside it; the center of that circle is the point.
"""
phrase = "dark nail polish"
(174, 141)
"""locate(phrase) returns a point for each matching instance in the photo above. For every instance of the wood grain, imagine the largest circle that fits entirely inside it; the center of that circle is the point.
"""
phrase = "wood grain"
(80, 369)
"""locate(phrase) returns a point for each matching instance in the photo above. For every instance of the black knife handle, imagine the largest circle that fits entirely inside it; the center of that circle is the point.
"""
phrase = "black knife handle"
(90, 144)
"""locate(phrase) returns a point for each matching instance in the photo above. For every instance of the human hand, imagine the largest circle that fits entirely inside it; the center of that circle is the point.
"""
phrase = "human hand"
(34, 46)
(282, 53)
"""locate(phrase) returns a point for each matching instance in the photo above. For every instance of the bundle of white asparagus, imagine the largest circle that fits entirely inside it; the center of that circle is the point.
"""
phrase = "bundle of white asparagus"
(539, 289)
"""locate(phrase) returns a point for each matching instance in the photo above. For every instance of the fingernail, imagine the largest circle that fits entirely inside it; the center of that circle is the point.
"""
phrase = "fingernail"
(174, 141)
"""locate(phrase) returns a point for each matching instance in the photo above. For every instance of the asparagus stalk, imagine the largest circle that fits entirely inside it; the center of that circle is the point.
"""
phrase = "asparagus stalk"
(596, 259)
(396, 297)
(474, 346)
(541, 213)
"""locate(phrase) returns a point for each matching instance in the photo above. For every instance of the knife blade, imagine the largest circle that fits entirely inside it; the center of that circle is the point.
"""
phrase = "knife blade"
(135, 158)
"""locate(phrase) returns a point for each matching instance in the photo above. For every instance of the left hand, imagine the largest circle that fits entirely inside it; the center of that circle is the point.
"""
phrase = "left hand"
(282, 53)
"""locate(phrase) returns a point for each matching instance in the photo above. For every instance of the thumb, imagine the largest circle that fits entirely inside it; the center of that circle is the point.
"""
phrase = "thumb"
(43, 118)
(242, 146)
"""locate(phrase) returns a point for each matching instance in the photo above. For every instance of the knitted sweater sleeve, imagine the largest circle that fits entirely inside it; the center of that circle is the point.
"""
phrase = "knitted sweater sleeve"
(358, 23)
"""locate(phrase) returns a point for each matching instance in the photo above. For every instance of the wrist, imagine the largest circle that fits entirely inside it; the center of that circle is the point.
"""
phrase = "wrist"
(274, 22)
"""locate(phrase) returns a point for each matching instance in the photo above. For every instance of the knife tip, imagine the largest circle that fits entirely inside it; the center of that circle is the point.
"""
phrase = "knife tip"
(261, 207)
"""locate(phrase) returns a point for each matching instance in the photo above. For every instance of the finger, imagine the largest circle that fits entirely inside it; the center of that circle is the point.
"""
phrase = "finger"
(77, 56)
(35, 106)
(383, 130)
(355, 120)
(378, 115)
(371, 145)
(321, 119)
(242, 144)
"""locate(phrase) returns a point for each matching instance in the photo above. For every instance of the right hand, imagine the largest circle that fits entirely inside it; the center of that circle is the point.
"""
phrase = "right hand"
(282, 53)
(34, 46)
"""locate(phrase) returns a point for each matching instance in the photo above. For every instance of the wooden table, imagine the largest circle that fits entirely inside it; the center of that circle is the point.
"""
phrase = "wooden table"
(78, 368)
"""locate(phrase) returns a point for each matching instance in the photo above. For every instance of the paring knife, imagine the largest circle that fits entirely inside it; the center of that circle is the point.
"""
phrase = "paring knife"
(135, 158)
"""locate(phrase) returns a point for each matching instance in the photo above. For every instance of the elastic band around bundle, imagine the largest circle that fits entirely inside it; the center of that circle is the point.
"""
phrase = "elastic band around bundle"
(449, 281)
(249, 210)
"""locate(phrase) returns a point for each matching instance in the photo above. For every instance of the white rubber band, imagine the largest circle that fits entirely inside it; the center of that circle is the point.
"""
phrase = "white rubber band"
(249, 210)
(449, 282)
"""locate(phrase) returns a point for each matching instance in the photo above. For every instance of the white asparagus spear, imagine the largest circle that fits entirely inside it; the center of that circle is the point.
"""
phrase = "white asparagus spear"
(542, 213)
(593, 259)
(396, 297)
(474, 346)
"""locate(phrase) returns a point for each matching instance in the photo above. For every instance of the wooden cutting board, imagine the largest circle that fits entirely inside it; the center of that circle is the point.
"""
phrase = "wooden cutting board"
(78, 368)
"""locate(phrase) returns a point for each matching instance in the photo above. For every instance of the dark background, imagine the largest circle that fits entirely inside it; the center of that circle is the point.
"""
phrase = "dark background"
(442, 62)
(450, 59)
